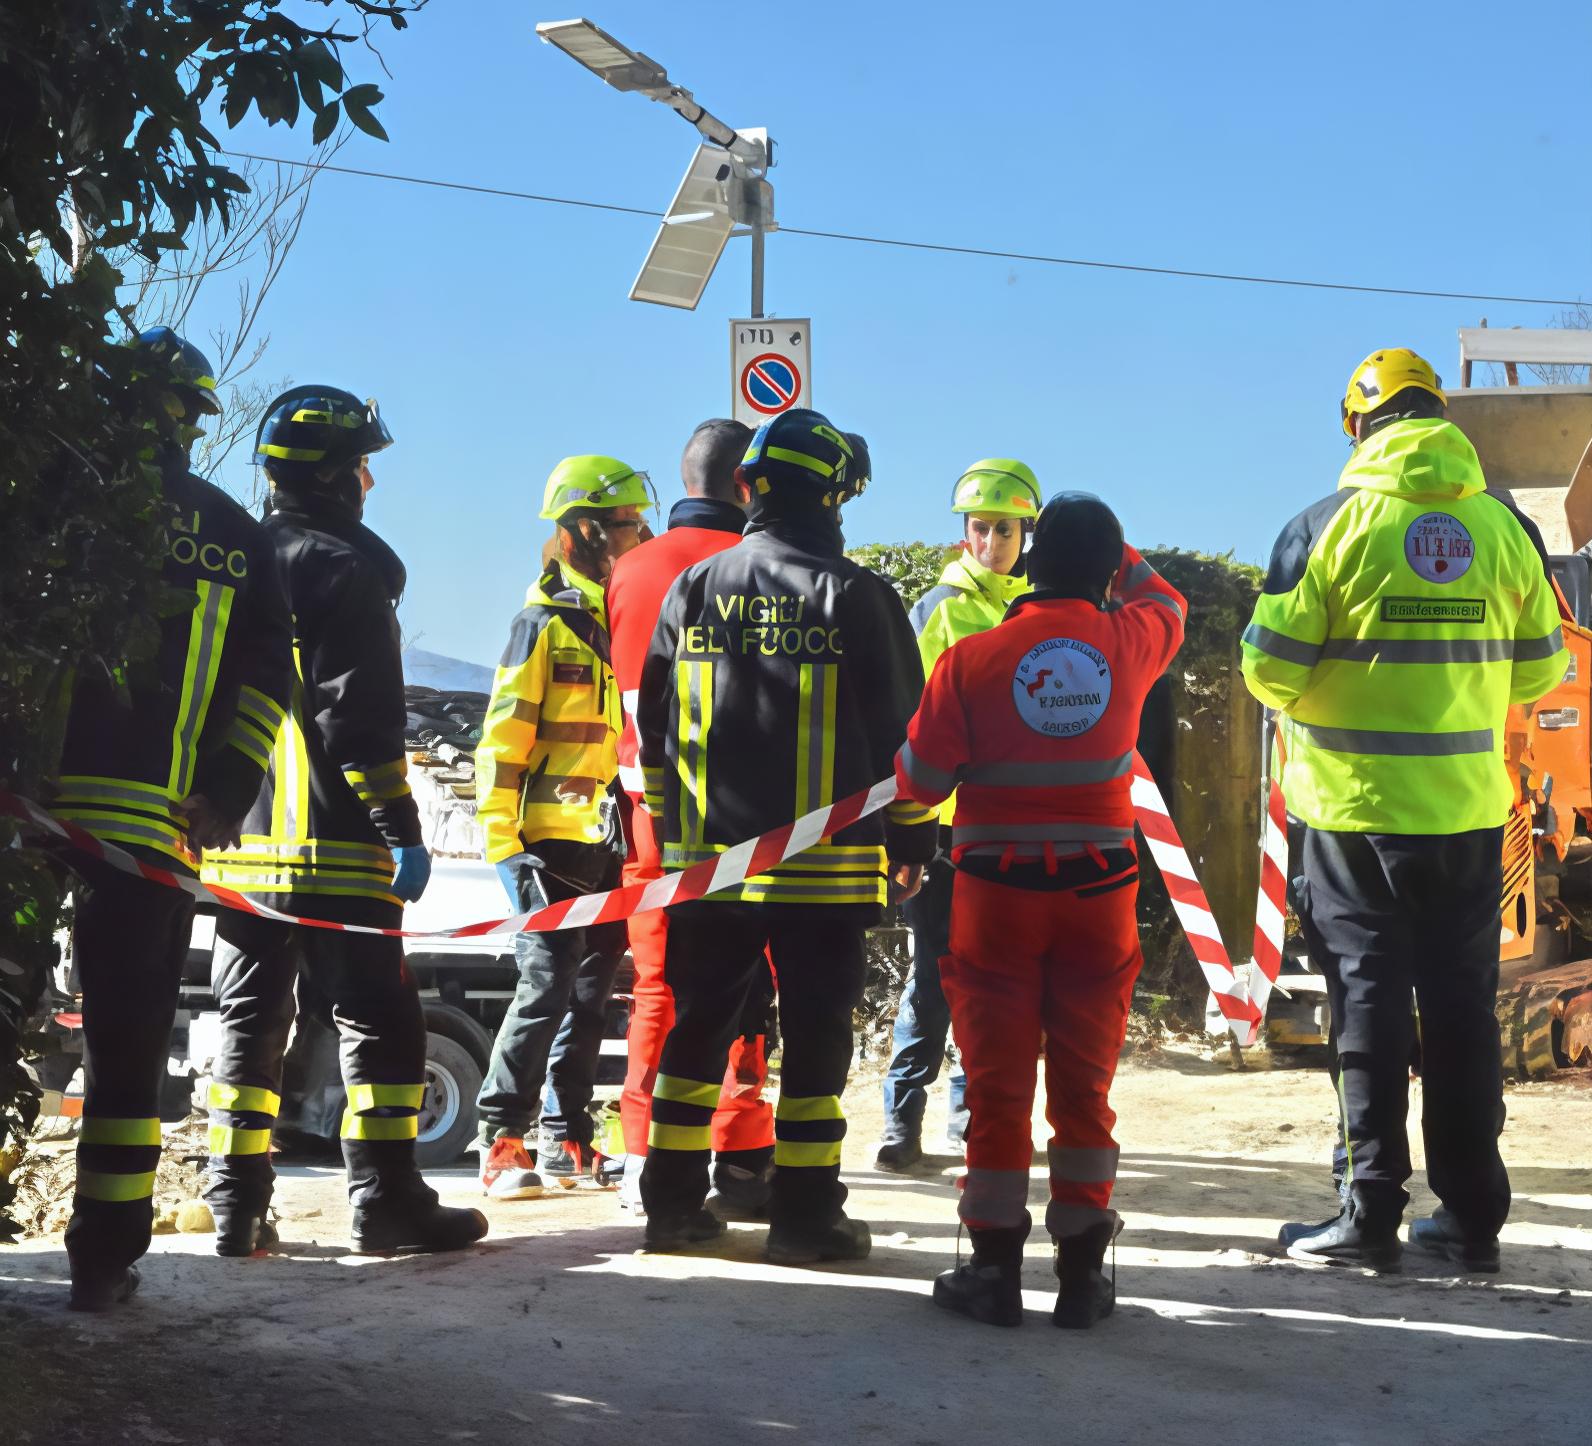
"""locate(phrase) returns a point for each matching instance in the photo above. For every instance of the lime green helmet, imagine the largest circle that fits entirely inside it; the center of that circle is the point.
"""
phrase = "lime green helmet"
(593, 482)
(1000, 486)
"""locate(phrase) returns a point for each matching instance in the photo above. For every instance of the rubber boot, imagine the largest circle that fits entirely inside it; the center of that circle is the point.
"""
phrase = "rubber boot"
(242, 1232)
(667, 1234)
(846, 1239)
(1362, 1235)
(100, 1292)
(395, 1211)
(989, 1287)
(1085, 1295)
(1441, 1234)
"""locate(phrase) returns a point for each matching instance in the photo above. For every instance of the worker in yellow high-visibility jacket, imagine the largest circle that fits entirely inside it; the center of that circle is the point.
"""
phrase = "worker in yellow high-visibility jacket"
(1400, 619)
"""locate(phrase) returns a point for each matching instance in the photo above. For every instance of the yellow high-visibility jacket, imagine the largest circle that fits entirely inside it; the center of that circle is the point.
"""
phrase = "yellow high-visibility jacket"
(967, 599)
(1400, 618)
(549, 748)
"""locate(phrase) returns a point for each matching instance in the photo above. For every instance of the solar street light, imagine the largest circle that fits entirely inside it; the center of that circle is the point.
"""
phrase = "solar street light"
(724, 186)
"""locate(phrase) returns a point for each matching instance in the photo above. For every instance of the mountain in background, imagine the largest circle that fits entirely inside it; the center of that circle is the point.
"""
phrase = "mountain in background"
(449, 675)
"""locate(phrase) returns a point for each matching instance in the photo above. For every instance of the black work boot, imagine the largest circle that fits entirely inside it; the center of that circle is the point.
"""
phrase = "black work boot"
(989, 1287)
(100, 1292)
(846, 1239)
(242, 1232)
(1085, 1295)
(1298, 1229)
(1441, 1234)
(742, 1191)
(1361, 1235)
(896, 1157)
(668, 1234)
(395, 1211)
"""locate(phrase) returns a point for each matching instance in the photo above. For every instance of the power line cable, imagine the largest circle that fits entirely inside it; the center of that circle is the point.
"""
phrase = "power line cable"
(939, 246)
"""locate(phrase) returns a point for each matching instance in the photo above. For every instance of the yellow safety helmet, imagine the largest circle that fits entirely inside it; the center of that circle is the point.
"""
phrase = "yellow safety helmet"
(1001, 486)
(1382, 376)
(592, 481)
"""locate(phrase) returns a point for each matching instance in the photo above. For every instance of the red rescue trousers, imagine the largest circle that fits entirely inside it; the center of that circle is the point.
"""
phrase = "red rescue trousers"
(1030, 968)
(744, 1120)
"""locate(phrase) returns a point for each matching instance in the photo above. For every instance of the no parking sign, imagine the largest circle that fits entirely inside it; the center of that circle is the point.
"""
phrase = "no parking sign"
(770, 368)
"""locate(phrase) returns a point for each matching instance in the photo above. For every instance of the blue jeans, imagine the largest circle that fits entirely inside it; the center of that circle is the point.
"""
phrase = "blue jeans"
(565, 978)
(924, 1021)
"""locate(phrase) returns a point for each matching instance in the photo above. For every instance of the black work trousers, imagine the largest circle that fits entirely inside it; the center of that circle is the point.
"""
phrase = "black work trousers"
(129, 941)
(1385, 915)
(714, 959)
(382, 1044)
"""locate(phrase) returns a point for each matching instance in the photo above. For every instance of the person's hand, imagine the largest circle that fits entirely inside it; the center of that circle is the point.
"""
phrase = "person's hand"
(413, 873)
(905, 881)
(205, 826)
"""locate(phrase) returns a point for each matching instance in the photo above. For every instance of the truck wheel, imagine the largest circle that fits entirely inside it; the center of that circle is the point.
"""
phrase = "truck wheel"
(447, 1111)
(453, 1023)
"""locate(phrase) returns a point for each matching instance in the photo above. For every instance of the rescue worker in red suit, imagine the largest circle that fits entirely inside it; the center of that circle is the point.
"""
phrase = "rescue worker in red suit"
(1034, 722)
(709, 519)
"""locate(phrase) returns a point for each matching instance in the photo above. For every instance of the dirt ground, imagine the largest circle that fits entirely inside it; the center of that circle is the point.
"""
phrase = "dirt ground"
(555, 1330)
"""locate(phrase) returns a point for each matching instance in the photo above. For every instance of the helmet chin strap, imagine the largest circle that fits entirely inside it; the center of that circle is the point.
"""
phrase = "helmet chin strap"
(587, 552)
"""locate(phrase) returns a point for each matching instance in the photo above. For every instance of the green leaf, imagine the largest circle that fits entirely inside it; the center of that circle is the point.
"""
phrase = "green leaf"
(325, 123)
(365, 95)
(364, 120)
(317, 59)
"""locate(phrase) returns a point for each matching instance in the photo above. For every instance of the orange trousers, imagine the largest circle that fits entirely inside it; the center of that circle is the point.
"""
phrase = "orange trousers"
(1031, 968)
(744, 1120)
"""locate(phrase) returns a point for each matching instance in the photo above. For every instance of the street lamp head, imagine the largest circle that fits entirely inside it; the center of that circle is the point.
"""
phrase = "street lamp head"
(615, 64)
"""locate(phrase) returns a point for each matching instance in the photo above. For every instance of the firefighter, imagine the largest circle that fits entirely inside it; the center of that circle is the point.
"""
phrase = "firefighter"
(161, 761)
(706, 521)
(780, 679)
(1399, 620)
(1033, 724)
(334, 834)
(544, 767)
(998, 499)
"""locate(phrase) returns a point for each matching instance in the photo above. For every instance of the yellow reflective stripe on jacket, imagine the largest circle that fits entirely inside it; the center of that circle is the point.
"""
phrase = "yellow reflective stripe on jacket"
(225, 1140)
(101, 1185)
(380, 784)
(378, 1096)
(380, 1127)
(818, 685)
(263, 865)
(695, 685)
(101, 1130)
(290, 763)
(245, 1099)
(823, 874)
(206, 638)
(1401, 618)
(549, 745)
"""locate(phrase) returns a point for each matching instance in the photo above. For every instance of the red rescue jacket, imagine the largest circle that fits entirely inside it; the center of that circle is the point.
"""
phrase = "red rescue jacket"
(1034, 722)
(698, 528)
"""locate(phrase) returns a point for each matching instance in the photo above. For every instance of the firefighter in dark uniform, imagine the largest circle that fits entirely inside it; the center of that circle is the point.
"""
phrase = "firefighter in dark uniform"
(334, 834)
(161, 762)
(780, 679)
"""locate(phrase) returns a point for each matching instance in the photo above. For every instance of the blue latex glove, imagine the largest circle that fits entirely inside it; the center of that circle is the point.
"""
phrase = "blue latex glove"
(413, 872)
(508, 870)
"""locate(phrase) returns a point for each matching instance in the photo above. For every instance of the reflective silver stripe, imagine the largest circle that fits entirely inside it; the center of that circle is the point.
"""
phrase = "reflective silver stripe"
(1056, 833)
(1536, 650)
(306, 852)
(208, 627)
(925, 774)
(1170, 603)
(1403, 745)
(1419, 650)
(83, 790)
(121, 828)
(1280, 645)
(1141, 572)
(1084, 1166)
(993, 1197)
(1021, 775)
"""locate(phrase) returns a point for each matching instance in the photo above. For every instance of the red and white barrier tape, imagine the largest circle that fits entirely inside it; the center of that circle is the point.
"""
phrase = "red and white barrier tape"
(733, 866)
(1192, 906)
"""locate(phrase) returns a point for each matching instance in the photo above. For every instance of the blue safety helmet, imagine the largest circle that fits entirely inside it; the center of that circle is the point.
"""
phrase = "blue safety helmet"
(802, 454)
(189, 367)
(312, 434)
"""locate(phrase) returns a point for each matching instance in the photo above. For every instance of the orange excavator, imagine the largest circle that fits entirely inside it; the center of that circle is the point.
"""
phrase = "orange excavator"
(1535, 444)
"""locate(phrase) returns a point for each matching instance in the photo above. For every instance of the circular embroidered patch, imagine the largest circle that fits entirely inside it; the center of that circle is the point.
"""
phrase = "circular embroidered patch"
(1062, 687)
(1438, 547)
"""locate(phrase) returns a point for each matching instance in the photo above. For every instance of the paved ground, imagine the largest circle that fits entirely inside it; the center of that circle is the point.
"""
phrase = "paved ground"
(554, 1330)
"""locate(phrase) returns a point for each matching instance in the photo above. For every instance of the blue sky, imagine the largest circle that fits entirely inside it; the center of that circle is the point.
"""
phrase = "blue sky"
(1249, 138)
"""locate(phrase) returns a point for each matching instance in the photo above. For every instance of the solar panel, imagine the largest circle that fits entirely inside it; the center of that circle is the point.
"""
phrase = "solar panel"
(691, 239)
